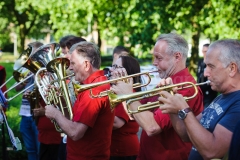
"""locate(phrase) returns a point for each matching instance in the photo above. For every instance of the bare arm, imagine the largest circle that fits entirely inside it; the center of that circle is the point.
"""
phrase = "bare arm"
(20, 87)
(75, 130)
(179, 126)
(209, 145)
(144, 119)
(118, 122)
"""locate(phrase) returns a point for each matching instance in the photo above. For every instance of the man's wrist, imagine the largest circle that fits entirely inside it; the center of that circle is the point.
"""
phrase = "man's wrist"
(182, 114)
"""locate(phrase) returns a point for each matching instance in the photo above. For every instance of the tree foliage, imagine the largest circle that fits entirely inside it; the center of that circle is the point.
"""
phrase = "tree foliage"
(133, 23)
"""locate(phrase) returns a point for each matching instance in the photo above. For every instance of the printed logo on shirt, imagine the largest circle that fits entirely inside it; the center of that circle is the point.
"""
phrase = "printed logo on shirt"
(213, 110)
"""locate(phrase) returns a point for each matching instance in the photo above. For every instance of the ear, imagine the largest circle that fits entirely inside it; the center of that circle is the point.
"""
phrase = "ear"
(177, 56)
(87, 65)
(233, 69)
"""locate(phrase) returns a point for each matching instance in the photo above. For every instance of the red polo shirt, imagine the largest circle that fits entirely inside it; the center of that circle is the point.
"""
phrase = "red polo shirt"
(97, 115)
(168, 145)
(125, 140)
(47, 133)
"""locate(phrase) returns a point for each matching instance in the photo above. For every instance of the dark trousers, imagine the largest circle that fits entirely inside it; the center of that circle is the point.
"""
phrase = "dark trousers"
(62, 154)
(48, 151)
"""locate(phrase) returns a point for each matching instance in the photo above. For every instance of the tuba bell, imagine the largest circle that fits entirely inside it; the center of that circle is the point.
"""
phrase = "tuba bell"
(53, 73)
(22, 66)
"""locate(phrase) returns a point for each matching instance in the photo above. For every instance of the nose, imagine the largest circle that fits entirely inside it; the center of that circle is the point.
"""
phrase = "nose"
(70, 67)
(206, 72)
(154, 62)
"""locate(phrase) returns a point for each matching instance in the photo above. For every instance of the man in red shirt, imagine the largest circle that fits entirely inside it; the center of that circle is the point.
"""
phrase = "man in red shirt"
(89, 132)
(159, 139)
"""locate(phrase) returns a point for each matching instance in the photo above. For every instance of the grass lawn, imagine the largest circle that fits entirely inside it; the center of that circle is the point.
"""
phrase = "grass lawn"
(12, 117)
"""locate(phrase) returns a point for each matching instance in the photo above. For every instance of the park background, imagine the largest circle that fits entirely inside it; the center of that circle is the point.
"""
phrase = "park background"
(134, 24)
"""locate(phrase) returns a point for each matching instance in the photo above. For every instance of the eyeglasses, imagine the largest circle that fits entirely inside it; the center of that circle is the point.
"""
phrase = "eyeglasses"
(116, 66)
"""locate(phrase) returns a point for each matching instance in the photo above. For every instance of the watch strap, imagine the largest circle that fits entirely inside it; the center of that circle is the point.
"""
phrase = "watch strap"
(187, 110)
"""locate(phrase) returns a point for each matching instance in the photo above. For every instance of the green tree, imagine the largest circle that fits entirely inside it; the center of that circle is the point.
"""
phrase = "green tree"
(23, 16)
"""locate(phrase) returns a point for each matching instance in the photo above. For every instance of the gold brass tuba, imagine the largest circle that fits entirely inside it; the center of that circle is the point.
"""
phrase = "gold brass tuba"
(116, 99)
(22, 66)
(53, 74)
(59, 66)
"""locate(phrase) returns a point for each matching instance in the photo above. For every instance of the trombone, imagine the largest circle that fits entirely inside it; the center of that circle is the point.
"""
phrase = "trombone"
(16, 84)
(116, 99)
(20, 74)
(81, 88)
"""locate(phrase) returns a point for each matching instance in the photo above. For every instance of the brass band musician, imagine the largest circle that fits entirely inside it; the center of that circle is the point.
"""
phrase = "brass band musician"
(159, 139)
(89, 133)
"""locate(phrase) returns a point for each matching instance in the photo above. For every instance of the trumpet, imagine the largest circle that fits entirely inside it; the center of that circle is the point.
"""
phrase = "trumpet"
(19, 76)
(81, 88)
(16, 84)
(116, 99)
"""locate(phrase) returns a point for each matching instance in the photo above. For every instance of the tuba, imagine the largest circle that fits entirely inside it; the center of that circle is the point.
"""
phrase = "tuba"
(53, 73)
(22, 66)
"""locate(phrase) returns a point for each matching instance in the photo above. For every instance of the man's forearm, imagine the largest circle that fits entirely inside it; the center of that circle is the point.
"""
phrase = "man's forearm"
(74, 130)
(179, 127)
(145, 120)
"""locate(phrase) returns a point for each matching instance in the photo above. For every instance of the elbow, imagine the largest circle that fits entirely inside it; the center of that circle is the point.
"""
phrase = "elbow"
(185, 138)
(76, 137)
(208, 154)
(152, 131)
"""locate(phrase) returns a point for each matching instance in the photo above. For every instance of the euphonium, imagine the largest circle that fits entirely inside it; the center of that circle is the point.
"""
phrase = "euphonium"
(20, 73)
(53, 73)
(22, 59)
(20, 76)
(25, 61)
(59, 66)
(116, 99)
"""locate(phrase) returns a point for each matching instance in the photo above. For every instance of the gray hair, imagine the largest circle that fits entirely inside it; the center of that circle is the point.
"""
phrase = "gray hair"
(35, 45)
(88, 50)
(176, 43)
(229, 51)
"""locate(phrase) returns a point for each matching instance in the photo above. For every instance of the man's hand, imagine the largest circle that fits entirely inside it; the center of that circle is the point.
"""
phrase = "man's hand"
(118, 72)
(172, 103)
(121, 87)
(37, 112)
(124, 86)
(51, 112)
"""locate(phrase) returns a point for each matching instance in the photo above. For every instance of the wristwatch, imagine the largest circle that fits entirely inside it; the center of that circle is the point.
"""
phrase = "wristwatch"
(182, 114)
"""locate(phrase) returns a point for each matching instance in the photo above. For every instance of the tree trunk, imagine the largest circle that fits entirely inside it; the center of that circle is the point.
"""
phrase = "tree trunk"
(22, 38)
(194, 52)
(99, 39)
